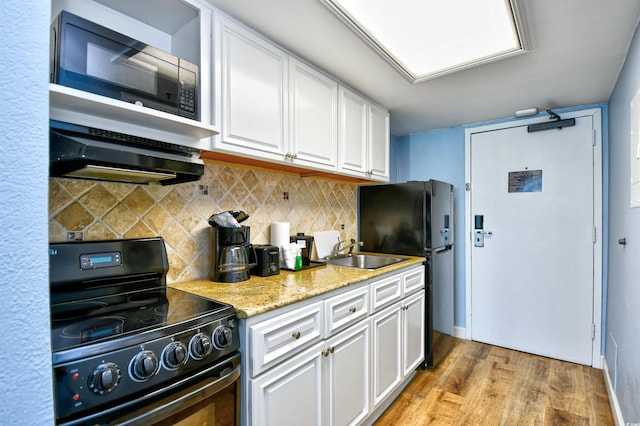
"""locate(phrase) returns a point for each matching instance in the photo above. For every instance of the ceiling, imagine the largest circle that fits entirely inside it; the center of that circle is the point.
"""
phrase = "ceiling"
(576, 51)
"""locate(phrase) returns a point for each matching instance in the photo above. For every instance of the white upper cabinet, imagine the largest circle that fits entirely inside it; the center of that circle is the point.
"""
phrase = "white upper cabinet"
(353, 132)
(274, 107)
(313, 117)
(363, 137)
(378, 144)
(254, 76)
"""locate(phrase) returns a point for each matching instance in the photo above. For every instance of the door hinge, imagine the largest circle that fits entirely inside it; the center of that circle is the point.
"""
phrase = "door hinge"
(593, 234)
(467, 186)
(593, 331)
(594, 138)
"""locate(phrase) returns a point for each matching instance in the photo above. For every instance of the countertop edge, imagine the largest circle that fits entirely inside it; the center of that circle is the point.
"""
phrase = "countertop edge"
(259, 295)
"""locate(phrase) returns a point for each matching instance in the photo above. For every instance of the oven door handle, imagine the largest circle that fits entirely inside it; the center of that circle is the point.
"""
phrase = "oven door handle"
(176, 403)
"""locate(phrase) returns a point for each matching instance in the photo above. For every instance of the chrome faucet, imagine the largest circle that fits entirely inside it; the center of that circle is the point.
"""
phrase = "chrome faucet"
(351, 245)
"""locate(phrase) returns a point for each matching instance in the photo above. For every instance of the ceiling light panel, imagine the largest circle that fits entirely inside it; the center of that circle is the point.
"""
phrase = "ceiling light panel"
(427, 38)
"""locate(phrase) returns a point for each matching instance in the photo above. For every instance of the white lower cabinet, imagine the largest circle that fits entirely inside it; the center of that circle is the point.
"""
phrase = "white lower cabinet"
(398, 331)
(325, 385)
(386, 328)
(347, 375)
(413, 332)
(329, 361)
(290, 394)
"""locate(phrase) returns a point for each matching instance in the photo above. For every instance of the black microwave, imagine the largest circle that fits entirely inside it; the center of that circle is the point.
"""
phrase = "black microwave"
(89, 57)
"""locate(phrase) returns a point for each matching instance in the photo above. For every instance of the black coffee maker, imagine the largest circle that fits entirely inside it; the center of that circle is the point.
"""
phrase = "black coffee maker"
(230, 251)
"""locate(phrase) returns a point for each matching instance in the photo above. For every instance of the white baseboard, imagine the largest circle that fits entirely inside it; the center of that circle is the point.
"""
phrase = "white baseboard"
(460, 332)
(613, 398)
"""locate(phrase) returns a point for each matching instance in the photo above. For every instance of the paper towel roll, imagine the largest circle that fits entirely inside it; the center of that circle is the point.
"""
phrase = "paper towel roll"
(280, 234)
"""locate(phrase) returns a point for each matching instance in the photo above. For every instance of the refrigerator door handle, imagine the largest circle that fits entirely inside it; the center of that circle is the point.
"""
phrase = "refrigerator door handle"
(446, 248)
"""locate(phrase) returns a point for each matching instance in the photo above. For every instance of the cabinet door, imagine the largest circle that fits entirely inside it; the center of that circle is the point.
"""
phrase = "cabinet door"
(254, 94)
(290, 394)
(314, 117)
(386, 329)
(348, 375)
(378, 152)
(413, 311)
(352, 133)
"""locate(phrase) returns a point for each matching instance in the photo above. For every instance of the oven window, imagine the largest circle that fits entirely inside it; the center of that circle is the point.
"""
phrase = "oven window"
(217, 410)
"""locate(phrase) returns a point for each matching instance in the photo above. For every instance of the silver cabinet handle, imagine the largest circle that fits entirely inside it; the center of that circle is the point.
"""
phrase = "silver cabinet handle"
(296, 335)
(353, 309)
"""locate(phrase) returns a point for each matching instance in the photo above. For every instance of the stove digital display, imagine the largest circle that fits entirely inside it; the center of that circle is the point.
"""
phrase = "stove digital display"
(100, 260)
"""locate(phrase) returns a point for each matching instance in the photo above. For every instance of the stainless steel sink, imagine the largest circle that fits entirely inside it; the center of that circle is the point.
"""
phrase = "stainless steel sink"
(364, 261)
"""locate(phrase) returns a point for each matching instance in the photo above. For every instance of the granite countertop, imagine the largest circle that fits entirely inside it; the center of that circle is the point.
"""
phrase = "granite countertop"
(262, 294)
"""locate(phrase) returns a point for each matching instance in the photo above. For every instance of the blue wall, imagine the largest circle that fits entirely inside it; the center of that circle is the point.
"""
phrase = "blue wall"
(623, 307)
(25, 379)
(440, 155)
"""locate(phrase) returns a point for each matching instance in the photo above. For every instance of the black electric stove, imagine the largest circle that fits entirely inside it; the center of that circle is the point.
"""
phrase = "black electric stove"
(118, 331)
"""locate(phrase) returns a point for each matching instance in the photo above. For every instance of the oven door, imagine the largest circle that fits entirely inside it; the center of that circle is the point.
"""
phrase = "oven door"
(212, 397)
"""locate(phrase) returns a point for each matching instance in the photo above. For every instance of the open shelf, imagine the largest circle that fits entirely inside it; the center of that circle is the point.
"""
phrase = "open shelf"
(65, 100)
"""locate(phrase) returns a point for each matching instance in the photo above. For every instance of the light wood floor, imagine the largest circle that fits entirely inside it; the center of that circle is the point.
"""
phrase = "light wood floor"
(479, 384)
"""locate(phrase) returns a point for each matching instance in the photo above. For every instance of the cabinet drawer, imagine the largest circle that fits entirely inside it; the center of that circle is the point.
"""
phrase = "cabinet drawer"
(386, 291)
(280, 337)
(413, 280)
(345, 309)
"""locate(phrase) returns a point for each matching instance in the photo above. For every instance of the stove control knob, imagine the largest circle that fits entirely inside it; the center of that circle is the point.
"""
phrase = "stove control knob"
(144, 366)
(200, 346)
(222, 337)
(104, 378)
(174, 355)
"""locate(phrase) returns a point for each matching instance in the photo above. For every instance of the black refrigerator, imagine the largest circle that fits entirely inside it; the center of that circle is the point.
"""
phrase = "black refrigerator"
(416, 218)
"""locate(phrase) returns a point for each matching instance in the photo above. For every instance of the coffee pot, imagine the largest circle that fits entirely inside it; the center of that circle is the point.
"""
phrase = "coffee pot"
(230, 249)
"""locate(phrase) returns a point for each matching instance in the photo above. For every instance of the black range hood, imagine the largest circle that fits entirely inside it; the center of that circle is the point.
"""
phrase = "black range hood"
(89, 153)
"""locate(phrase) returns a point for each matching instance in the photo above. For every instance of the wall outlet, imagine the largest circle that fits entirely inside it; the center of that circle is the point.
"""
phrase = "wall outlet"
(74, 236)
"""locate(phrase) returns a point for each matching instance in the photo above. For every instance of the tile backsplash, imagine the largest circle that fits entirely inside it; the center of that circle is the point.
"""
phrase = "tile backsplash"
(180, 213)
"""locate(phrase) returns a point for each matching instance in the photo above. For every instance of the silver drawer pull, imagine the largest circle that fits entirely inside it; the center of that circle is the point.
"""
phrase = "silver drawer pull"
(296, 335)
(353, 309)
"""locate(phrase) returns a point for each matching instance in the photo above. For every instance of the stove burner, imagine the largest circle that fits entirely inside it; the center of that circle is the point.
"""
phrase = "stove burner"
(94, 328)
(144, 298)
(79, 310)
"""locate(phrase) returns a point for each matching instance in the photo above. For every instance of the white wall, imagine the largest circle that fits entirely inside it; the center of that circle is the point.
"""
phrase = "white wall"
(623, 305)
(25, 376)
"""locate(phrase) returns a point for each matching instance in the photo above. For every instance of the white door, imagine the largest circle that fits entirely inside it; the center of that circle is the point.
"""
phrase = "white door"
(532, 283)
(314, 117)
(386, 332)
(290, 394)
(413, 332)
(348, 375)
(254, 88)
